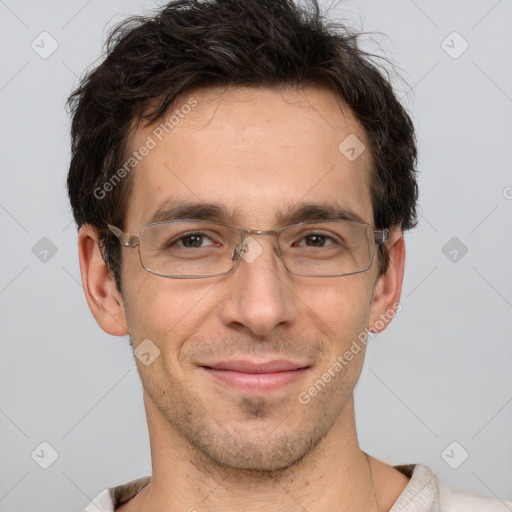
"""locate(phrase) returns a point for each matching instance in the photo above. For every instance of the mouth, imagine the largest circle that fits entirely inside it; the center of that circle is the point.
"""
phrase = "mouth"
(256, 377)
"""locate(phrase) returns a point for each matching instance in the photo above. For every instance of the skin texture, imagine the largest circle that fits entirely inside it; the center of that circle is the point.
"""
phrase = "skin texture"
(214, 447)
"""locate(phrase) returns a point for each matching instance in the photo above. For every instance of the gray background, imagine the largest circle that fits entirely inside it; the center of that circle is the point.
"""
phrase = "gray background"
(440, 373)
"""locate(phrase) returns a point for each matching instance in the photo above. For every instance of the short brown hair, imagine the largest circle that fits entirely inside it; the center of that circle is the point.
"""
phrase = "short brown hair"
(193, 43)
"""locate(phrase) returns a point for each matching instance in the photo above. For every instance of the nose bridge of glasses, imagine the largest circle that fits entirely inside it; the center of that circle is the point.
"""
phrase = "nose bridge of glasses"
(250, 248)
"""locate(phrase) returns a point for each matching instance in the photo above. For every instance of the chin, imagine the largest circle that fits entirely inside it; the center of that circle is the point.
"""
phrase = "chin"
(261, 446)
(278, 455)
(252, 434)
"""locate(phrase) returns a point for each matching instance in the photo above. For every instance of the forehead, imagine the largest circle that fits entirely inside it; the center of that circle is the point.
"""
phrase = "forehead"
(258, 152)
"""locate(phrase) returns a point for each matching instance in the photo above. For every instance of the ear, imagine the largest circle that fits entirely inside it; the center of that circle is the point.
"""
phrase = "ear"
(98, 283)
(387, 291)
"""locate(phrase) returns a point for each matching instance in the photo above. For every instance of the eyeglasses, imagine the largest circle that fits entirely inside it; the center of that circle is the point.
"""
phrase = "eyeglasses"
(185, 249)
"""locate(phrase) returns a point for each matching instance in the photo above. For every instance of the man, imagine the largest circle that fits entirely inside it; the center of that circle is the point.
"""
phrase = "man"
(241, 176)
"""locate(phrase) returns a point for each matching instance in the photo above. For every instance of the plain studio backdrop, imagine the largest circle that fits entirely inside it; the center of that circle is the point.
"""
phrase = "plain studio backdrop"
(436, 387)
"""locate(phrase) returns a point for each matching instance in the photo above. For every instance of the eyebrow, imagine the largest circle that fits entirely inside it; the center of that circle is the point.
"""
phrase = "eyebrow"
(218, 212)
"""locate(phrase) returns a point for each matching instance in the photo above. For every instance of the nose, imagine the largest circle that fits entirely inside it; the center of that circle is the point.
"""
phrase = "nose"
(258, 292)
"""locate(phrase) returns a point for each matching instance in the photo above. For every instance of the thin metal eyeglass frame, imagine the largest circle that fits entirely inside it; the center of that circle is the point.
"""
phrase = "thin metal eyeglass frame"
(380, 236)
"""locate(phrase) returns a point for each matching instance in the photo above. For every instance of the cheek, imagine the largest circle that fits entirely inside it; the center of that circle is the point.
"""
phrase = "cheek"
(340, 306)
(166, 311)
(148, 303)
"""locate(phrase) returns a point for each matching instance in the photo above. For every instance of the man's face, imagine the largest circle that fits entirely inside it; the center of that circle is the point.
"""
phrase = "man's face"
(256, 152)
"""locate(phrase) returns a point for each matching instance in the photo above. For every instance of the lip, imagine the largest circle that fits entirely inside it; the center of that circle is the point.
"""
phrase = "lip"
(247, 366)
(256, 377)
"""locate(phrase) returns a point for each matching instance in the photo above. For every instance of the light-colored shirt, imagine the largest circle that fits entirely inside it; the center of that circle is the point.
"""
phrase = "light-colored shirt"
(424, 493)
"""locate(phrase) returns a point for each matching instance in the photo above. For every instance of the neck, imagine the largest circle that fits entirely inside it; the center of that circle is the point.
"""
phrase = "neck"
(334, 476)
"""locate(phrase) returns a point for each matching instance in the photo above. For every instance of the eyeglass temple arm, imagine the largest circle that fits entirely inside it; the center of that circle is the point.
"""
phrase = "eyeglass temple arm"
(381, 235)
(126, 240)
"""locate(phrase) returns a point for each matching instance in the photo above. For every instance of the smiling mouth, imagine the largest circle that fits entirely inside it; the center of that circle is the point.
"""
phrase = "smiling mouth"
(256, 377)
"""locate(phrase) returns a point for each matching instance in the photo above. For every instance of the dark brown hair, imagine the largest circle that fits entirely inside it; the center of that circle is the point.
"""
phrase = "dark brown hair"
(151, 60)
